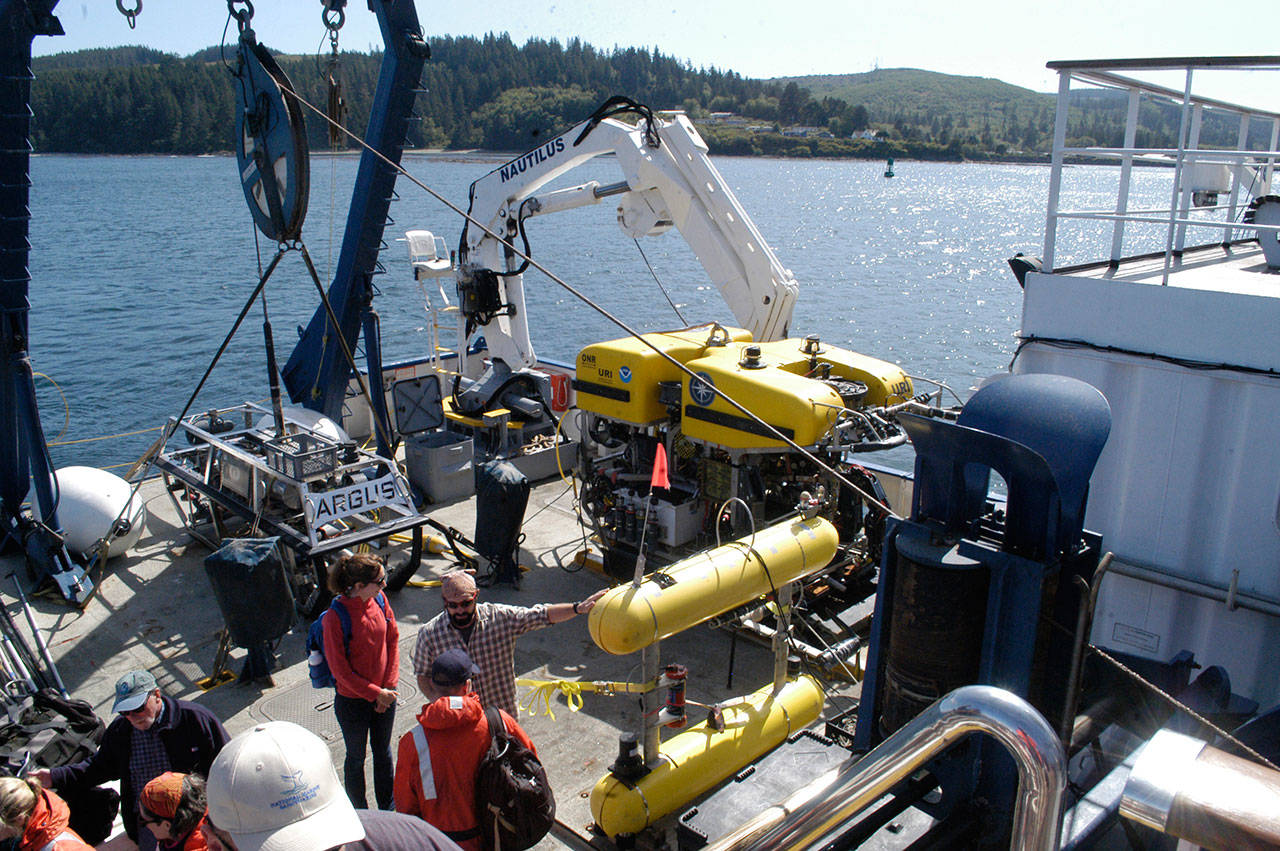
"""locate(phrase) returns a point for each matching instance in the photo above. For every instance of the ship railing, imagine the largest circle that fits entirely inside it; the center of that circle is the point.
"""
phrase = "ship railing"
(814, 816)
(1198, 172)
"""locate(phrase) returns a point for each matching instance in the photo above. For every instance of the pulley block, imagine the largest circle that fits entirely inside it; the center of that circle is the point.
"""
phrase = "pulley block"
(271, 143)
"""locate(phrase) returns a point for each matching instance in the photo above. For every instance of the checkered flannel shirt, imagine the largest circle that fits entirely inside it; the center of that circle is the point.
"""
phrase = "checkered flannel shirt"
(492, 647)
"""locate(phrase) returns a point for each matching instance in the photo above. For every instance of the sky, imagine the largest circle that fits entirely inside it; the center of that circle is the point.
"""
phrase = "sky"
(984, 38)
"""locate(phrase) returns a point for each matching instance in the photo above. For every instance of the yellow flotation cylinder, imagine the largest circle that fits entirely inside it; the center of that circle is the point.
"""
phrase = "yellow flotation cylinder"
(630, 618)
(700, 758)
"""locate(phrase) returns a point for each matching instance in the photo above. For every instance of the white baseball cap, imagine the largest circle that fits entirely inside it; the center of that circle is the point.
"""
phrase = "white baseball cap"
(274, 788)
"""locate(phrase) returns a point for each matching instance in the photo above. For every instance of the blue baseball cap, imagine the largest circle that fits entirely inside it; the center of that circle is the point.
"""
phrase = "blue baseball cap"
(132, 690)
(453, 668)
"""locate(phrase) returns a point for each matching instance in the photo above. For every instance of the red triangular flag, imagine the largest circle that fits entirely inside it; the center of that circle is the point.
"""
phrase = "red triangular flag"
(659, 478)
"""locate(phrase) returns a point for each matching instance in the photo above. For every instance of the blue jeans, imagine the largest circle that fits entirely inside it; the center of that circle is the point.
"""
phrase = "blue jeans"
(360, 724)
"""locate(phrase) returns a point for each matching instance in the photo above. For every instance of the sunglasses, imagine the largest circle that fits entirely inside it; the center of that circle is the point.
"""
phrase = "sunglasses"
(381, 581)
(461, 604)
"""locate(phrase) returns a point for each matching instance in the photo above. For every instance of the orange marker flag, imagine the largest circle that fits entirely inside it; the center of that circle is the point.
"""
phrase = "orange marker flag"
(659, 478)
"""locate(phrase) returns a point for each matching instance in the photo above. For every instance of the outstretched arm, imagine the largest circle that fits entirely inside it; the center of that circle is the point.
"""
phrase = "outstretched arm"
(558, 612)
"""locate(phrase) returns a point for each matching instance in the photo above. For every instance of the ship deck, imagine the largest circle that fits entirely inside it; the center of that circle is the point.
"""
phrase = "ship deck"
(1238, 268)
(154, 609)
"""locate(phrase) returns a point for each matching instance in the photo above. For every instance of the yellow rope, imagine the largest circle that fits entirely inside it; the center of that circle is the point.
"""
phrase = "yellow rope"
(66, 408)
(541, 694)
(538, 700)
(107, 436)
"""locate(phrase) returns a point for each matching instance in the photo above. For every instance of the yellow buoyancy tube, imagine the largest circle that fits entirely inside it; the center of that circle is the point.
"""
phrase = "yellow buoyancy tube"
(630, 618)
(699, 758)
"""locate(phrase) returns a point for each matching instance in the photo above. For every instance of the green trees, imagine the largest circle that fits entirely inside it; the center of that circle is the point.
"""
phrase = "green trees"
(486, 92)
(491, 93)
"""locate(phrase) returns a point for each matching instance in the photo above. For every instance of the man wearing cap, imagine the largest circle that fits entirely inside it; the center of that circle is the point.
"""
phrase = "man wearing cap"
(274, 788)
(487, 632)
(437, 760)
(152, 734)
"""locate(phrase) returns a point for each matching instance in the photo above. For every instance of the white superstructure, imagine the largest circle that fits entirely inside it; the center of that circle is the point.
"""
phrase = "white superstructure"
(1182, 341)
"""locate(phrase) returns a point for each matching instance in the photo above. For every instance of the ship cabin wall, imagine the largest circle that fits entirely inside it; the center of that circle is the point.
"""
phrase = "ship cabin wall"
(1189, 480)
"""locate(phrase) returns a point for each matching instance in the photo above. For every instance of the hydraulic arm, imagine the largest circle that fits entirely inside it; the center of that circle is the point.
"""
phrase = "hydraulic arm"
(667, 180)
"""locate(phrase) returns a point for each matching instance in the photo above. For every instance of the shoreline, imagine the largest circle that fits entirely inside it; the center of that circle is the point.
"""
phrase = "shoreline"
(482, 155)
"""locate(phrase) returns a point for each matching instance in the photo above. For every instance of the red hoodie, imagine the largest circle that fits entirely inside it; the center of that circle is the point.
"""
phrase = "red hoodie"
(456, 736)
(49, 822)
(373, 661)
(193, 841)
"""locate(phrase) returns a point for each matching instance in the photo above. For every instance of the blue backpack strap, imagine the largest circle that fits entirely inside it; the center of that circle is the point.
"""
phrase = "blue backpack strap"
(344, 617)
(344, 621)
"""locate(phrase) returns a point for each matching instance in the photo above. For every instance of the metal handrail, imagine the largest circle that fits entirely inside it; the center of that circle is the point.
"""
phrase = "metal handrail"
(816, 814)
(1177, 219)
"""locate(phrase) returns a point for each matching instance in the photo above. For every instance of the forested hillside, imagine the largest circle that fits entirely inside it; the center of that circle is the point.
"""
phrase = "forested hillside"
(942, 107)
(493, 94)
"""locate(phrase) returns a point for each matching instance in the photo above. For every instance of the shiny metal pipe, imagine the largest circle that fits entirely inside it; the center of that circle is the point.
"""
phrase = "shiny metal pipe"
(817, 813)
(1185, 788)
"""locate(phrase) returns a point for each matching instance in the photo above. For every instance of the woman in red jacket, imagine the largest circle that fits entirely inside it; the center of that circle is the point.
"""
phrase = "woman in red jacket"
(172, 807)
(366, 666)
(36, 817)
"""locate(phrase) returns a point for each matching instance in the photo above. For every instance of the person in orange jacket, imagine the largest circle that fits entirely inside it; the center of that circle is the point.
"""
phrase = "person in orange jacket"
(36, 817)
(437, 760)
(172, 807)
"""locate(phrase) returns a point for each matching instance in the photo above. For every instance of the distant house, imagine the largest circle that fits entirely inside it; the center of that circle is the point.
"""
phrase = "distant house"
(864, 134)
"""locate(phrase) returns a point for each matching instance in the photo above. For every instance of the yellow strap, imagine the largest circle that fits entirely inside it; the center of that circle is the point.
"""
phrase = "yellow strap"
(538, 699)
(541, 691)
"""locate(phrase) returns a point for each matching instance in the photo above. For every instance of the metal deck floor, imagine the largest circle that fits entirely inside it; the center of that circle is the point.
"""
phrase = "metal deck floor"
(153, 609)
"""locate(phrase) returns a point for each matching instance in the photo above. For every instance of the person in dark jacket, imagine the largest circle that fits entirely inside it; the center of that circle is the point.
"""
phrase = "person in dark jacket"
(153, 734)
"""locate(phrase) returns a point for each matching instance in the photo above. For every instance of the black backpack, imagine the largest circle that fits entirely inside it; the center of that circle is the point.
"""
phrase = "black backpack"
(57, 731)
(514, 802)
(52, 731)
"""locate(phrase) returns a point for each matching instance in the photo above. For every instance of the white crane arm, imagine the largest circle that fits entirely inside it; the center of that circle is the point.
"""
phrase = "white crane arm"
(671, 184)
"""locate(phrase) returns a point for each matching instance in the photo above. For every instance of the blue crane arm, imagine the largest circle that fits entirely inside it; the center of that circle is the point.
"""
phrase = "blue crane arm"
(23, 457)
(23, 450)
(317, 373)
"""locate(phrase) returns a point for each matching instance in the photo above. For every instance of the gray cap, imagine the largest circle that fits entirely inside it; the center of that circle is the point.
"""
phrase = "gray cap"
(132, 690)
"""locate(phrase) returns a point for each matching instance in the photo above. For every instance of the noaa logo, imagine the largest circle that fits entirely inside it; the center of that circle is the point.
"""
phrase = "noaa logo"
(624, 373)
(702, 390)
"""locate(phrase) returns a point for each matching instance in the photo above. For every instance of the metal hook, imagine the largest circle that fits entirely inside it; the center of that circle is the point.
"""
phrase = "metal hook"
(242, 16)
(334, 17)
(130, 15)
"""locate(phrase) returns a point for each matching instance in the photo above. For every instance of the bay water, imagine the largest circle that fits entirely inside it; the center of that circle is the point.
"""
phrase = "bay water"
(140, 265)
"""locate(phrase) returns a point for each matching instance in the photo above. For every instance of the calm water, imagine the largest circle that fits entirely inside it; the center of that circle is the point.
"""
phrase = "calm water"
(140, 266)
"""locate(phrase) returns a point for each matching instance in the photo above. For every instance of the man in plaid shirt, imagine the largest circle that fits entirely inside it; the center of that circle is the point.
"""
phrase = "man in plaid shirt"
(487, 632)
